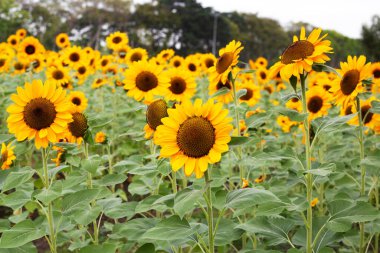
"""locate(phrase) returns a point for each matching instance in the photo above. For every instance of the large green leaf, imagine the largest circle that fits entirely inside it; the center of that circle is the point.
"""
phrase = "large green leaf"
(20, 234)
(248, 197)
(17, 178)
(185, 200)
(170, 229)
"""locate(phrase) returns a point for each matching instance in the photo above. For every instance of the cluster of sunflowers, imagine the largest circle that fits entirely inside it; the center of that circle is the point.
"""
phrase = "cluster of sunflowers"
(193, 135)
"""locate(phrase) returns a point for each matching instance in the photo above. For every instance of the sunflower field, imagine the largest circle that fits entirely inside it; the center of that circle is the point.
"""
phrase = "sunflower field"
(116, 150)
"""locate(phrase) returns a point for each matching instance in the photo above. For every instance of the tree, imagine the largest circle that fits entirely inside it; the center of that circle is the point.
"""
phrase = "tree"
(371, 39)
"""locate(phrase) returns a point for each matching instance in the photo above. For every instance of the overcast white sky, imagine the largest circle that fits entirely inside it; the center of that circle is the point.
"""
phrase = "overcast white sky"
(344, 16)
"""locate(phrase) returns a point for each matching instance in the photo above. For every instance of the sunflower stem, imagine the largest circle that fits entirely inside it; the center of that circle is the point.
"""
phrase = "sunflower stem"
(49, 213)
(210, 215)
(174, 182)
(362, 171)
(309, 176)
(110, 168)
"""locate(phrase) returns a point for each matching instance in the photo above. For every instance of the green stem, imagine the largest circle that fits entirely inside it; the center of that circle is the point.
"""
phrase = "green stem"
(309, 176)
(90, 186)
(110, 168)
(362, 171)
(210, 215)
(174, 181)
(49, 214)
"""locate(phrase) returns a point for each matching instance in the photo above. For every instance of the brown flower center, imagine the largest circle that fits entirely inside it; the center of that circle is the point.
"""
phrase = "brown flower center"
(82, 70)
(13, 42)
(221, 85)
(18, 66)
(30, 49)
(155, 112)
(224, 62)
(146, 81)
(248, 95)
(4, 156)
(39, 113)
(192, 67)
(116, 40)
(177, 64)
(196, 137)
(263, 75)
(177, 85)
(136, 57)
(58, 74)
(74, 57)
(376, 73)
(209, 63)
(315, 104)
(76, 101)
(349, 81)
(299, 50)
(79, 125)
(2, 62)
(366, 114)
(104, 62)
(62, 40)
(348, 110)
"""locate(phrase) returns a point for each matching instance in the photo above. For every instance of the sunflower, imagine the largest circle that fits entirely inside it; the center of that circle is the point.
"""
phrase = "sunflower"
(214, 87)
(77, 127)
(262, 75)
(252, 96)
(62, 40)
(192, 64)
(19, 68)
(165, 55)
(176, 61)
(194, 135)
(144, 80)
(13, 40)
(294, 104)
(100, 137)
(136, 54)
(73, 56)
(156, 111)
(38, 63)
(182, 85)
(40, 111)
(78, 100)
(369, 118)
(228, 58)
(58, 75)
(104, 62)
(353, 72)
(82, 72)
(7, 156)
(99, 82)
(208, 61)
(4, 63)
(30, 47)
(375, 69)
(318, 102)
(347, 109)
(285, 123)
(117, 40)
(21, 33)
(300, 56)
(261, 62)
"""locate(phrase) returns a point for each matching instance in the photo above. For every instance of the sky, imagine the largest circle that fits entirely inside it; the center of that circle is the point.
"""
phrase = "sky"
(344, 16)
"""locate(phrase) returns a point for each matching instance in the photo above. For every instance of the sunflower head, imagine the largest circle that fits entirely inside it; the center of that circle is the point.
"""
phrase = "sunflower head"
(7, 156)
(299, 57)
(194, 135)
(77, 128)
(40, 112)
(318, 101)
(155, 112)
(62, 40)
(117, 40)
(78, 100)
(100, 137)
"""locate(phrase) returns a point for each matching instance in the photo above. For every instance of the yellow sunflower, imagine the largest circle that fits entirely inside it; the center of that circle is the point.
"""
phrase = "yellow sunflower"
(21, 33)
(104, 62)
(182, 85)
(262, 75)
(318, 102)
(62, 40)
(117, 40)
(40, 111)
(143, 80)
(7, 156)
(285, 123)
(82, 72)
(225, 98)
(347, 109)
(4, 63)
(261, 62)
(100, 137)
(302, 54)
(74, 55)
(294, 103)
(194, 135)
(228, 58)
(370, 119)
(208, 61)
(58, 75)
(30, 47)
(78, 100)
(13, 40)
(176, 61)
(192, 64)
(19, 67)
(165, 55)
(136, 54)
(156, 111)
(253, 94)
(353, 72)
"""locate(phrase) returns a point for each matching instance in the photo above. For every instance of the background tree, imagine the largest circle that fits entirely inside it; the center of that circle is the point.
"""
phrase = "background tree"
(371, 39)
